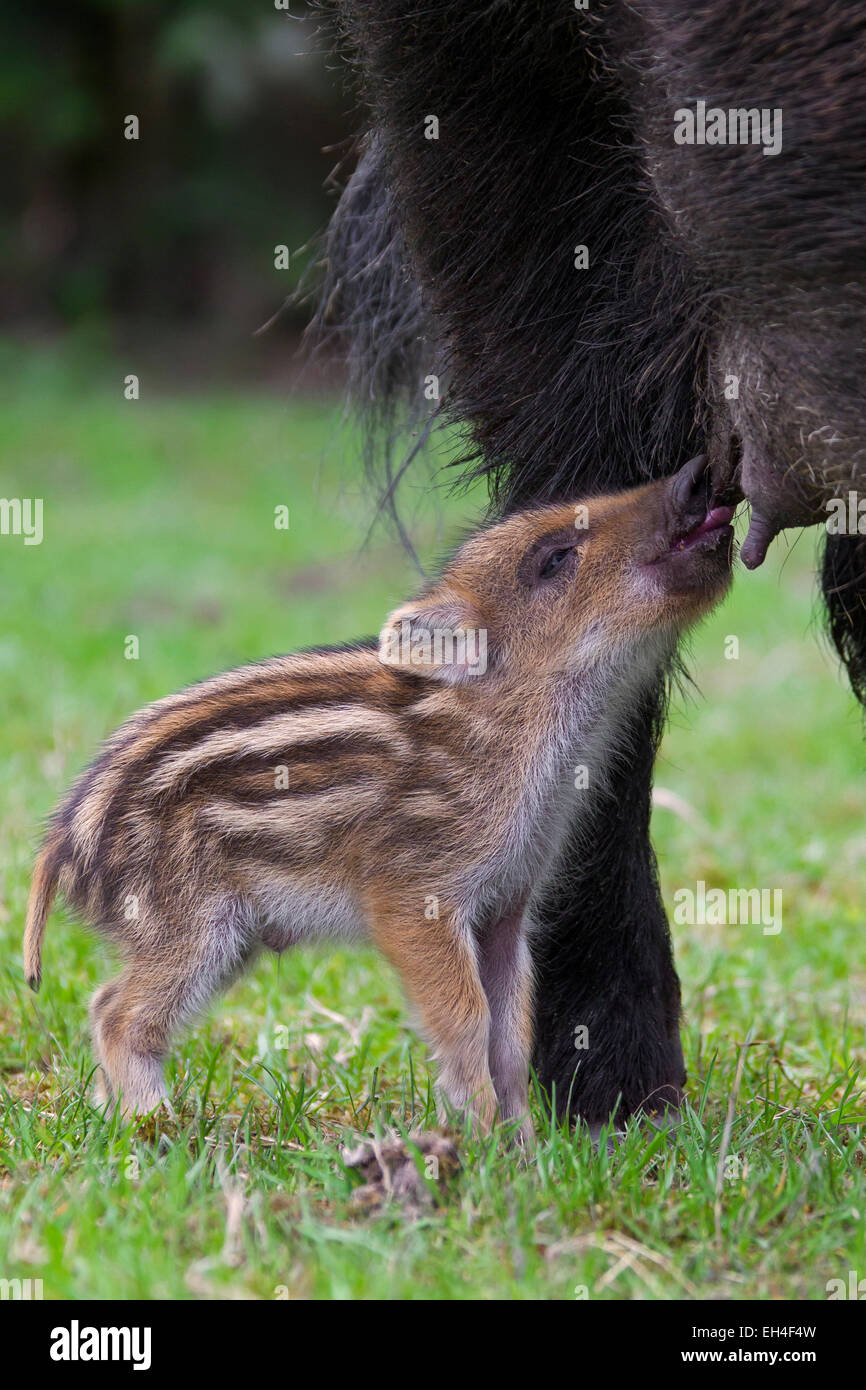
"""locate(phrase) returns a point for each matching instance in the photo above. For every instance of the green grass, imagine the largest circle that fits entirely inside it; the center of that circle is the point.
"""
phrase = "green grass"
(159, 524)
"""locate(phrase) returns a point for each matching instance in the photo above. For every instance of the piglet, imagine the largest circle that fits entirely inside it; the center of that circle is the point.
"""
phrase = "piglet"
(414, 792)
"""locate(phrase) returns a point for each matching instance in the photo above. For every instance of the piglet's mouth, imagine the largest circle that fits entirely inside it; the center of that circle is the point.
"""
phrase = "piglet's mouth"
(717, 519)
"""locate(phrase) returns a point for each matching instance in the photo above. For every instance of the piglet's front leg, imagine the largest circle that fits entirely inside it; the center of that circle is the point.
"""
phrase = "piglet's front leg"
(505, 967)
(436, 961)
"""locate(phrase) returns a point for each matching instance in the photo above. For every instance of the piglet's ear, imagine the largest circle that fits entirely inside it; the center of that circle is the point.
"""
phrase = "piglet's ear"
(440, 637)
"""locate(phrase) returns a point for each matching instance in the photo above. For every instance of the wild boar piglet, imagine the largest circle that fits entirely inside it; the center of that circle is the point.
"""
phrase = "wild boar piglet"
(414, 792)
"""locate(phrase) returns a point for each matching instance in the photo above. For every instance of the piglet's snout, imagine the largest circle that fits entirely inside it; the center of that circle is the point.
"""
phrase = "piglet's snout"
(690, 494)
(684, 521)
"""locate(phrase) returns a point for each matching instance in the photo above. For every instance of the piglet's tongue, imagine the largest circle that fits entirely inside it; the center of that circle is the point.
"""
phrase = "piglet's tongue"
(754, 548)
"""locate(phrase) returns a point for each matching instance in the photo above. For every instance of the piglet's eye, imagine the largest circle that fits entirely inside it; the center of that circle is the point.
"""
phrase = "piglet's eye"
(553, 562)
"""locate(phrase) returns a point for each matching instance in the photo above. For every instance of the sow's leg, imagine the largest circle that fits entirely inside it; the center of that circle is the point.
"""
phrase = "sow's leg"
(607, 994)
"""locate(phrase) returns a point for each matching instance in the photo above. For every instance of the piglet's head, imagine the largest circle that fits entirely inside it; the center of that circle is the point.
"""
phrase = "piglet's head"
(560, 588)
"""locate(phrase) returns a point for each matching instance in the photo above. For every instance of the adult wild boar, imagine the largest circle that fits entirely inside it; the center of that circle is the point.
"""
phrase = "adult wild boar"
(605, 277)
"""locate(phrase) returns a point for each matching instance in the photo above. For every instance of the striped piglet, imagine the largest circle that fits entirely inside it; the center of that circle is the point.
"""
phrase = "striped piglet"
(415, 793)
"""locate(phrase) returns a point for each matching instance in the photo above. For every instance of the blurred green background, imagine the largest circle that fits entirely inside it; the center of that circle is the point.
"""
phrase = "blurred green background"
(165, 245)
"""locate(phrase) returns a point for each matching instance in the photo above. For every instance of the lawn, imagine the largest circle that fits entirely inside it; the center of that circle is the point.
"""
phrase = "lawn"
(159, 524)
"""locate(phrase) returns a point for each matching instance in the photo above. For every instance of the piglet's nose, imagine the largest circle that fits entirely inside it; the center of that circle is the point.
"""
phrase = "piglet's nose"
(691, 484)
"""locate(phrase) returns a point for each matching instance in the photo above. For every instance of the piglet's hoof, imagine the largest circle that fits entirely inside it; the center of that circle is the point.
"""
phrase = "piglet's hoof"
(413, 1172)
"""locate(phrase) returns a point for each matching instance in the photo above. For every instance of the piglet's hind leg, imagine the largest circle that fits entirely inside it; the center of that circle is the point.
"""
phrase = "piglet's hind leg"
(134, 1017)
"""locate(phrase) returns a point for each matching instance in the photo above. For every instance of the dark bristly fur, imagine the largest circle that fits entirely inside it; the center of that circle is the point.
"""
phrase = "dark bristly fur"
(492, 210)
(455, 256)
